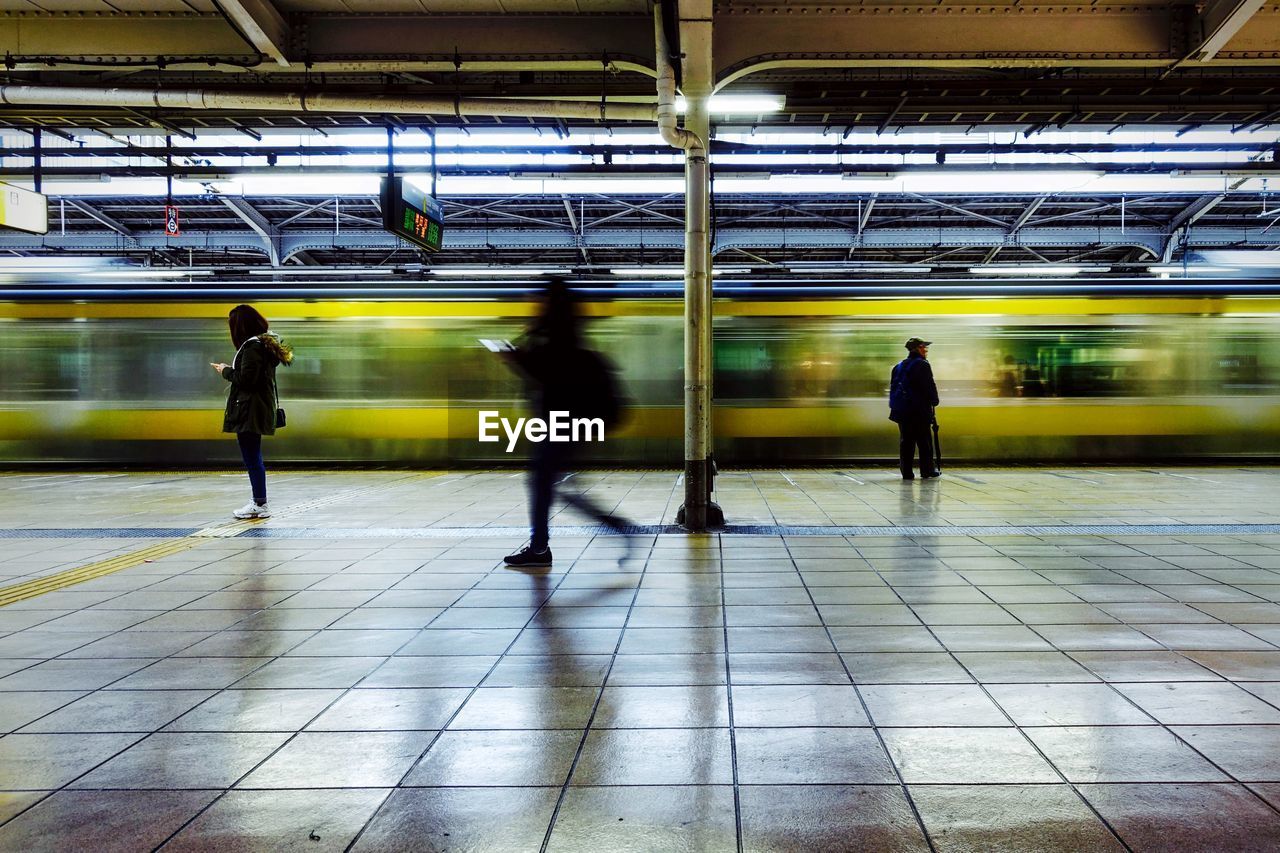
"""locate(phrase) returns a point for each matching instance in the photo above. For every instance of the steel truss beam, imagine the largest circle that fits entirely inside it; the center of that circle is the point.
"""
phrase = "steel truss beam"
(268, 233)
(1150, 240)
(262, 24)
(1219, 23)
(1188, 216)
(92, 212)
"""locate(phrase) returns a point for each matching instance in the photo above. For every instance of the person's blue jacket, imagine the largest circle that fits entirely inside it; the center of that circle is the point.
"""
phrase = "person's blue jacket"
(912, 391)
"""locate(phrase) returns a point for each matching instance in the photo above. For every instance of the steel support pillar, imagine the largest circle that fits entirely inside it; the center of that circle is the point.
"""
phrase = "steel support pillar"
(698, 511)
(697, 325)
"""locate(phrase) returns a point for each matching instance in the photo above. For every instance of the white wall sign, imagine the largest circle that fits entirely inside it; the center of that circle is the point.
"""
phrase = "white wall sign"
(23, 210)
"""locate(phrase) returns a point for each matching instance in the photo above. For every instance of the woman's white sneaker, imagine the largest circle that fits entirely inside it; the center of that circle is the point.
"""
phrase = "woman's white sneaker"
(253, 510)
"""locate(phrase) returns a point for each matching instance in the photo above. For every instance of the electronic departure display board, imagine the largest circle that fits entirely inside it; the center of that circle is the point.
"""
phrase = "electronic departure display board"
(411, 214)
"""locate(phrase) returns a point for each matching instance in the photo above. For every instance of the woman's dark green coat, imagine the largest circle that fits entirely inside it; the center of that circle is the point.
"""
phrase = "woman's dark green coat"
(251, 402)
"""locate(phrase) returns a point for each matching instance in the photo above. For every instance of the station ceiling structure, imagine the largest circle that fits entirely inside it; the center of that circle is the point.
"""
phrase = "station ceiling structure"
(106, 84)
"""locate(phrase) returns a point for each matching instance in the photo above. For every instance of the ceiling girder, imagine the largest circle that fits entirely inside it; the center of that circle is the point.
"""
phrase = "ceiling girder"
(1150, 240)
(961, 210)
(747, 39)
(268, 233)
(1026, 214)
(972, 36)
(97, 215)
(1219, 22)
(262, 24)
(864, 214)
(629, 208)
(1188, 216)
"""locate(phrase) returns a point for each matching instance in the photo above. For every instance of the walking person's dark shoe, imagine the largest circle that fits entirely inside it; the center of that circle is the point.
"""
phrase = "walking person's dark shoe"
(616, 523)
(527, 558)
(619, 526)
(932, 474)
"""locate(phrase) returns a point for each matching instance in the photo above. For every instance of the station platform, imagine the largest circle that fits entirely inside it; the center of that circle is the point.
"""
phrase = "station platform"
(1002, 659)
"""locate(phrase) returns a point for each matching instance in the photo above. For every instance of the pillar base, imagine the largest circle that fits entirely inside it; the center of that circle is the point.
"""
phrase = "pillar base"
(711, 516)
(699, 512)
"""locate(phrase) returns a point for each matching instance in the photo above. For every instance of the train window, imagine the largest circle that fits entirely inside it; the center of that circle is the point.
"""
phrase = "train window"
(1243, 361)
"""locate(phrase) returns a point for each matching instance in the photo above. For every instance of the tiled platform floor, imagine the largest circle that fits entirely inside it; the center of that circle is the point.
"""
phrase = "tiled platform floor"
(360, 673)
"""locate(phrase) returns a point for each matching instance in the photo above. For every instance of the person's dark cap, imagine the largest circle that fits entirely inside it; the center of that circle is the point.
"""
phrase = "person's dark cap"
(917, 342)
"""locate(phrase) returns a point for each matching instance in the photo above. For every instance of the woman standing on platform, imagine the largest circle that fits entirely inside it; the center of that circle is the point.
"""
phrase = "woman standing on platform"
(253, 408)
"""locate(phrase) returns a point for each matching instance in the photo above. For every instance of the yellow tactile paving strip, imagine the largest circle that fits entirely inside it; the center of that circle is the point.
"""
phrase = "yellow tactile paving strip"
(71, 577)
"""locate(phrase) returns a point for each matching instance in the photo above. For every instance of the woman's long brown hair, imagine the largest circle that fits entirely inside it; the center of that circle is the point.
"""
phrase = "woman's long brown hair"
(245, 322)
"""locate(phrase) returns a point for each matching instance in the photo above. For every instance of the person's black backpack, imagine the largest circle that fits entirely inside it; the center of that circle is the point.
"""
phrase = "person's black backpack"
(899, 391)
(598, 392)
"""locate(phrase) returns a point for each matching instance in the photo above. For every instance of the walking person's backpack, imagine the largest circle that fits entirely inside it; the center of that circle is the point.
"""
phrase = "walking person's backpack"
(598, 392)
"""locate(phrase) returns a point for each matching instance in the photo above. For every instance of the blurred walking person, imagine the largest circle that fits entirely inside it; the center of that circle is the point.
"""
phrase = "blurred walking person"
(563, 376)
(912, 398)
(253, 406)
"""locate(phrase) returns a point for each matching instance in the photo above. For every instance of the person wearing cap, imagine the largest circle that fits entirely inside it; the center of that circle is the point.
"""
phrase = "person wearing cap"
(912, 397)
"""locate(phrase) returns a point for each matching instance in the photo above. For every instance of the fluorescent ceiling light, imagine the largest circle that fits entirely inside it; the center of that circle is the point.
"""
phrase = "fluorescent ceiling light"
(929, 183)
(742, 104)
(50, 264)
(607, 174)
(317, 272)
(1034, 270)
(143, 272)
(670, 272)
(1240, 257)
(1175, 269)
(800, 268)
(482, 272)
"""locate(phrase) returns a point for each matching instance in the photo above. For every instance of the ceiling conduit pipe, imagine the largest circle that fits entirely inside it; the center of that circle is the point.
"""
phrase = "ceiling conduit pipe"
(698, 510)
(319, 102)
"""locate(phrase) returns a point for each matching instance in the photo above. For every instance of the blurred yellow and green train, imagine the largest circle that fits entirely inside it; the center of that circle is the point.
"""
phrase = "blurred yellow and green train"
(397, 377)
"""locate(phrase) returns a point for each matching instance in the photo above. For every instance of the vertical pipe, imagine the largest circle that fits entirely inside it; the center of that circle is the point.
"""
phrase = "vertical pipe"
(168, 172)
(37, 175)
(391, 151)
(435, 170)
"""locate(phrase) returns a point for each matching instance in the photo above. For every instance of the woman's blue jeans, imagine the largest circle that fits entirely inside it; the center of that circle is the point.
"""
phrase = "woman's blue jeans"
(251, 451)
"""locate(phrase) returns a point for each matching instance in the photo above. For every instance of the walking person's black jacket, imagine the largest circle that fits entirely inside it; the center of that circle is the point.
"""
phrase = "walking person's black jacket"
(918, 392)
(549, 366)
